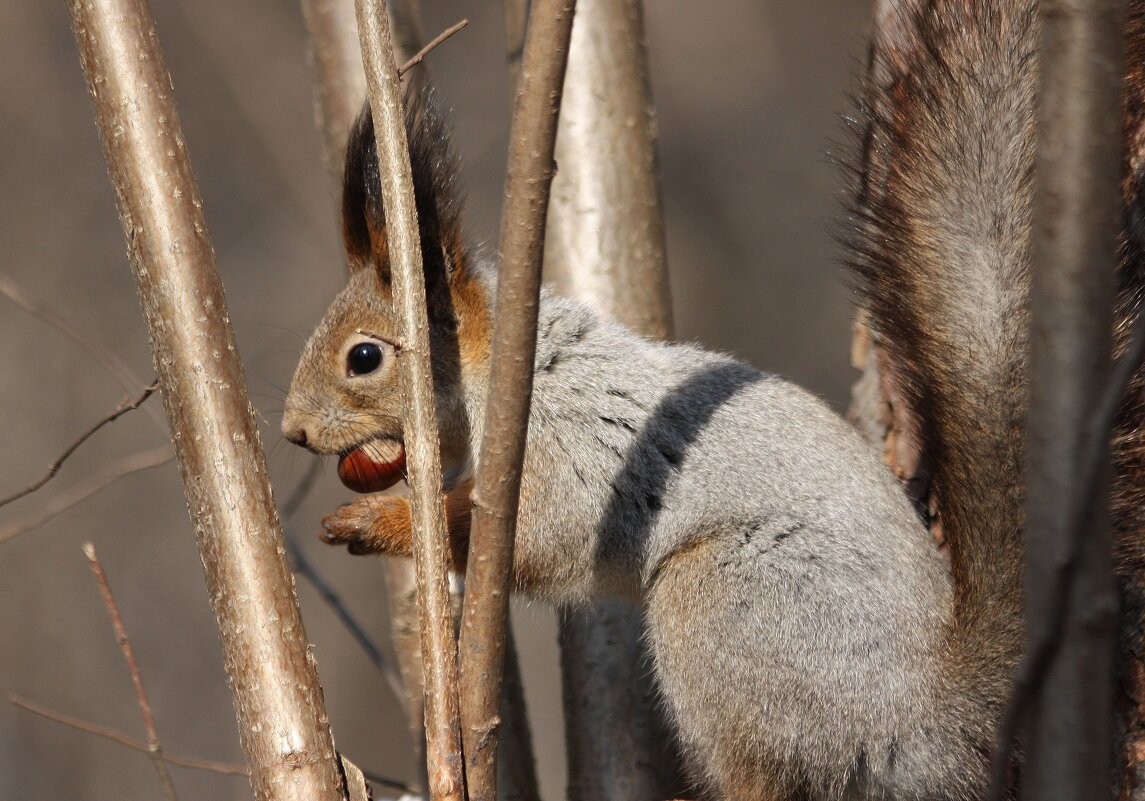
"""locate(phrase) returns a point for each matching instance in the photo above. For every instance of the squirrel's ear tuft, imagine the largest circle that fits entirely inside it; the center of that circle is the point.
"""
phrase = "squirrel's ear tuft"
(435, 182)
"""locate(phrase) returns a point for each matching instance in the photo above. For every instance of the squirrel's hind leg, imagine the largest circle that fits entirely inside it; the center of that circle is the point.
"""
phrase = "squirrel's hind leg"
(792, 664)
(693, 662)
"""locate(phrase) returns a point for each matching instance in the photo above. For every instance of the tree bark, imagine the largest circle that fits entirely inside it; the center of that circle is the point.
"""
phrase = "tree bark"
(278, 701)
(605, 246)
(485, 618)
(1065, 684)
(438, 646)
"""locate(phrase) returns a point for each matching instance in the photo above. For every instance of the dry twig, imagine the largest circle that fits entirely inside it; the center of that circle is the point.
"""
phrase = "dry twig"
(266, 654)
(496, 494)
(108, 474)
(126, 740)
(110, 360)
(154, 746)
(425, 51)
(439, 651)
(124, 407)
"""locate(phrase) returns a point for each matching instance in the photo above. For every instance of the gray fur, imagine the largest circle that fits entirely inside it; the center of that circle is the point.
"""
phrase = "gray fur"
(806, 635)
(795, 601)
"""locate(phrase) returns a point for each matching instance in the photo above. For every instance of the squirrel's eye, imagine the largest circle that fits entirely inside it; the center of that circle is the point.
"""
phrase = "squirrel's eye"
(365, 357)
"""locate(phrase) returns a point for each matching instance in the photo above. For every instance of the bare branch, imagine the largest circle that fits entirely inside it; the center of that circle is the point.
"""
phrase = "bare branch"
(227, 768)
(1065, 681)
(497, 491)
(618, 745)
(126, 740)
(271, 670)
(154, 746)
(124, 407)
(110, 473)
(110, 360)
(439, 650)
(605, 241)
(425, 51)
(340, 83)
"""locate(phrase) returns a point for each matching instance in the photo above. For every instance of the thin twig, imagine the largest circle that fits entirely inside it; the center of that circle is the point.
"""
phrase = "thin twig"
(154, 746)
(125, 406)
(144, 460)
(439, 648)
(292, 504)
(110, 360)
(302, 566)
(497, 490)
(126, 740)
(108, 733)
(421, 54)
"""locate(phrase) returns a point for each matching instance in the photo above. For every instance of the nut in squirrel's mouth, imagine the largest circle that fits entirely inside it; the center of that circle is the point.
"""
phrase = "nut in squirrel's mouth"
(373, 466)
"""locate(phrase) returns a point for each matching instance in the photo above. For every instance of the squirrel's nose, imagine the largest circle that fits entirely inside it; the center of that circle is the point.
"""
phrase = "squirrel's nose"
(296, 435)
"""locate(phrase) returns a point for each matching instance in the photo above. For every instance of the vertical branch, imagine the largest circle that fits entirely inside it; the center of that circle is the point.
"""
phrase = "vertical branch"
(340, 89)
(605, 246)
(439, 650)
(282, 721)
(340, 83)
(516, 22)
(1066, 679)
(484, 624)
(606, 237)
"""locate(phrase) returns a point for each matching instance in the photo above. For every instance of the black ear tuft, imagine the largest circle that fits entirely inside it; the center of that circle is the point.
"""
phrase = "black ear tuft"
(435, 177)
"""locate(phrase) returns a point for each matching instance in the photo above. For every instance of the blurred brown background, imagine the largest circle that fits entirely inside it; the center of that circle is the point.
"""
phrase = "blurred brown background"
(749, 95)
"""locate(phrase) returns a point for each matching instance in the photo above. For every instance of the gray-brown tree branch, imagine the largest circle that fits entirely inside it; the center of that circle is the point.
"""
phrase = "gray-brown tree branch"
(1065, 683)
(484, 622)
(439, 649)
(605, 246)
(282, 721)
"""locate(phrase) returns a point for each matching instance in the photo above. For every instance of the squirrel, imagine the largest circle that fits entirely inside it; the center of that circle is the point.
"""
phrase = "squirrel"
(808, 638)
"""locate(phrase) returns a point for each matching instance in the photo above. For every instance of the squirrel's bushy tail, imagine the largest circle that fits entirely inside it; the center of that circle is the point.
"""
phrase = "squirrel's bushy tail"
(943, 217)
(942, 226)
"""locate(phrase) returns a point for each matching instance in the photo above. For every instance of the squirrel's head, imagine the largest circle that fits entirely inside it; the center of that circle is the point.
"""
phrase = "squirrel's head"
(345, 397)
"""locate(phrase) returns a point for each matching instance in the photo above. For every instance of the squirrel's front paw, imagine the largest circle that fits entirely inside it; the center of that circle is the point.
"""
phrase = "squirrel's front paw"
(371, 524)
